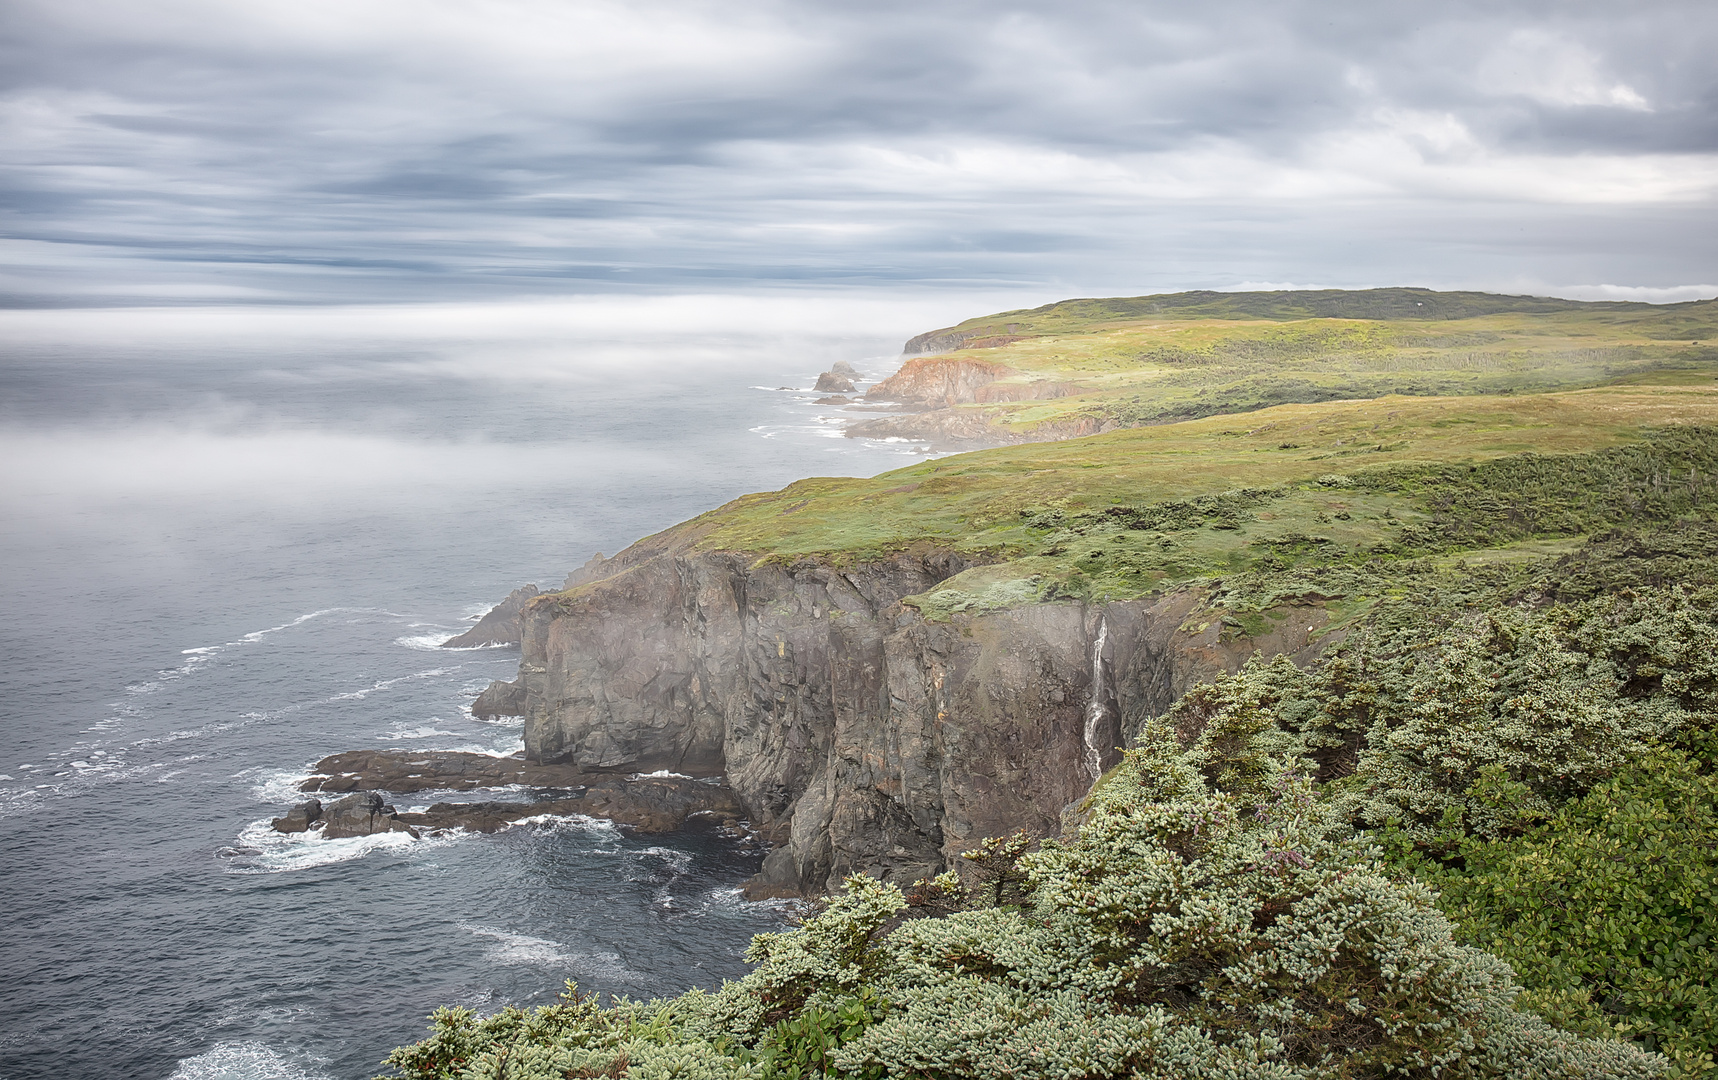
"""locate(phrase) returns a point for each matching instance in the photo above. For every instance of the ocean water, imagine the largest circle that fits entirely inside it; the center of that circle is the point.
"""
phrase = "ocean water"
(229, 542)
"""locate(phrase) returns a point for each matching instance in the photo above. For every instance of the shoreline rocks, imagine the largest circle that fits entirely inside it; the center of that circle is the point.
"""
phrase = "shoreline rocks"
(363, 814)
(649, 804)
(500, 699)
(402, 772)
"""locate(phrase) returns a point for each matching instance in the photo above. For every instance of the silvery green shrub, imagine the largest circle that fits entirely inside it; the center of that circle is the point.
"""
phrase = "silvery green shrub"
(1212, 918)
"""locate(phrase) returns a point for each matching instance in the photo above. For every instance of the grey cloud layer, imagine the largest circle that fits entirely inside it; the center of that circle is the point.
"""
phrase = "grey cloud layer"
(394, 148)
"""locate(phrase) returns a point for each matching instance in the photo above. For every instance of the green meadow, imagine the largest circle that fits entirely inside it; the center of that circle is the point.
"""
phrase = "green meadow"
(1151, 360)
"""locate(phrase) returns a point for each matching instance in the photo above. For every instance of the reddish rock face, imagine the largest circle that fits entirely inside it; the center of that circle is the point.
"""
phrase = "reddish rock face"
(939, 381)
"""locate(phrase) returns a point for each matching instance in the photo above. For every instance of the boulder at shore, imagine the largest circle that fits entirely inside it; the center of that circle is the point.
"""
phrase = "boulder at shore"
(500, 699)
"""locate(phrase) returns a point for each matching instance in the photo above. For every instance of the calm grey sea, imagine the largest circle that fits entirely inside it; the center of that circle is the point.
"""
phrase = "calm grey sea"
(230, 542)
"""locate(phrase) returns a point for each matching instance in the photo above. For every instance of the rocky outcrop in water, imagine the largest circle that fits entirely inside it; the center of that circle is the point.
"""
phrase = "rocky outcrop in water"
(402, 772)
(500, 626)
(300, 817)
(651, 804)
(858, 736)
(500, 699)
(832, 382)
(363, 814)
(933, 387)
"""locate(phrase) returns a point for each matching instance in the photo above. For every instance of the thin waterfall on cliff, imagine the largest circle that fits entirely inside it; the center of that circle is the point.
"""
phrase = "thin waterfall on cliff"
(1097, 707)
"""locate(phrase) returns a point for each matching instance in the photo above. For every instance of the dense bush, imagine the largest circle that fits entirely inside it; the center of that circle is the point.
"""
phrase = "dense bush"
(1608, 908)
(1212, 918)
(1479, 839)
(1548, 770)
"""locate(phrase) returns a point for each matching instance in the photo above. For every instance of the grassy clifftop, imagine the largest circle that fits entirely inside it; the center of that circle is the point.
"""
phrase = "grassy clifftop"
(1157, 359)
(1119, 515)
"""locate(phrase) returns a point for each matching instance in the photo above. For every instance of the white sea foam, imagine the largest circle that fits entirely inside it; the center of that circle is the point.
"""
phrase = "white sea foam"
(497, 721)
(507, 745)
(422, 731)
(678, 861)
(426, 642)
(512, 948)
(569, 821)
(278, 785)
(202, 655)
(201, 732)
(247, 1061)
(388, 684)
(15, 801)
(261, 850)
(733, 899)
(659, 774)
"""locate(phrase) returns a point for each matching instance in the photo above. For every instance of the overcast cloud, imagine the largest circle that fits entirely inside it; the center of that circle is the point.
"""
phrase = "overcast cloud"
(193, 150)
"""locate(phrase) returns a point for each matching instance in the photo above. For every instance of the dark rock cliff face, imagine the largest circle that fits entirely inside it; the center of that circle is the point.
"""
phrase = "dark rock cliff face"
(500, 626)
(859, 736)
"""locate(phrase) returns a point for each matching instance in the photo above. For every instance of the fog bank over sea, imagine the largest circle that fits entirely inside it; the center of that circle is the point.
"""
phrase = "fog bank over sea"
(231, 539)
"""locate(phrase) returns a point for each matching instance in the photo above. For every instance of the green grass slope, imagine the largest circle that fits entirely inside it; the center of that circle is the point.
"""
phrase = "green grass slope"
(1124, 514)
(1157, 359)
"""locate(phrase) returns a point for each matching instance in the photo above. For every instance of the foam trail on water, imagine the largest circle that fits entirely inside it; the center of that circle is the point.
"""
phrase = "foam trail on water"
(511, 948)
(245, 1061)
(388, 684)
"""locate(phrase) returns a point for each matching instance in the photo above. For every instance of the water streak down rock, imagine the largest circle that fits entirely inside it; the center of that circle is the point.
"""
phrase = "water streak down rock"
(859, 736)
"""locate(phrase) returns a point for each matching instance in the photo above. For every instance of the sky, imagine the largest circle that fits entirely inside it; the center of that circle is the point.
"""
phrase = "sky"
(195, 152)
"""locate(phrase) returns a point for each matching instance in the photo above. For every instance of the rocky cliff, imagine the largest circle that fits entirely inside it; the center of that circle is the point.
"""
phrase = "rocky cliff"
(500, 626)
(943, 381)
(859, 735)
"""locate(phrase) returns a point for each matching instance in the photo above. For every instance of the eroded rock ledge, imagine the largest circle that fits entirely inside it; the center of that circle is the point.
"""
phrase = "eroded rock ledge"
(650, 804)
